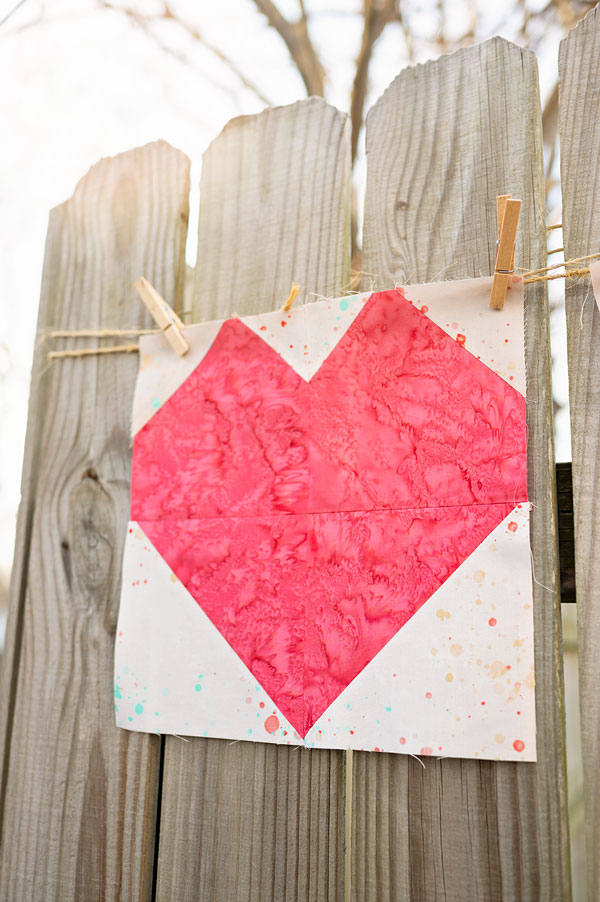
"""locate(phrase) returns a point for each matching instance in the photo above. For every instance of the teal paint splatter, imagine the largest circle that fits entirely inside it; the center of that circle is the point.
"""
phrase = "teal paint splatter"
(387, 708)
(344, 304)
(139, 709)
(165, 691)
(155, 403)
(130, 718)
(198, 687)
(117, 691)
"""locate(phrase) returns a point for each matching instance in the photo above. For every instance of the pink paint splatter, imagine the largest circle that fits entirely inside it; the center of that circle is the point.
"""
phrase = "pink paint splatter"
(271, 723)
(402, 740)
(518, 745)
(426, 750)
(492, 621)
(424, 309)
(428, 695)
(461, 339)
(512, 526)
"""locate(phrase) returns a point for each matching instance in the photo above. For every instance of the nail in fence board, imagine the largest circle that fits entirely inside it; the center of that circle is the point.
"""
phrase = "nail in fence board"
(78, 819)
(579, 100)
(246, 821)
(442, 142)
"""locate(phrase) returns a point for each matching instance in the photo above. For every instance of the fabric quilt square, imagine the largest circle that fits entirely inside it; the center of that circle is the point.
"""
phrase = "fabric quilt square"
(329, 540)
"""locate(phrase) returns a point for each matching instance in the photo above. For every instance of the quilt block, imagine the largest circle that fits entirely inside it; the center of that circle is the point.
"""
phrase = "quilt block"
(329, 538)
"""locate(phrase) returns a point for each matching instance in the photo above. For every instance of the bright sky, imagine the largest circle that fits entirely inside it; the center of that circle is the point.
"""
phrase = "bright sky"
(84, 84)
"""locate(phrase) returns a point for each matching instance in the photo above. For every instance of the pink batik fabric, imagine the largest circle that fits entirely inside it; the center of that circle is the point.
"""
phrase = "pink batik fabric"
(311, 519)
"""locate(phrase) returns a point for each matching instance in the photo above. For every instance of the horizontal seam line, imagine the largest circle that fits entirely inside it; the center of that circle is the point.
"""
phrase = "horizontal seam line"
(376, 510)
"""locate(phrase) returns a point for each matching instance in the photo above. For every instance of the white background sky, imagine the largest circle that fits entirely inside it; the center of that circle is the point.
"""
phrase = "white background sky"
(83, 84)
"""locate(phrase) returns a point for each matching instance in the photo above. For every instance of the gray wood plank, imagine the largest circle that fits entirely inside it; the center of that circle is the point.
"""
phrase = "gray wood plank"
(247, 821)
(442, 142)
(579, 97)
(80, 795)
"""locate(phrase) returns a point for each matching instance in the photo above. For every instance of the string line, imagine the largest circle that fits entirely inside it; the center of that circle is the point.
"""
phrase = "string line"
(543, 274)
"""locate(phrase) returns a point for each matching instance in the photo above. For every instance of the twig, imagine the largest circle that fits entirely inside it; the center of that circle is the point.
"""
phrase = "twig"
(296, 37)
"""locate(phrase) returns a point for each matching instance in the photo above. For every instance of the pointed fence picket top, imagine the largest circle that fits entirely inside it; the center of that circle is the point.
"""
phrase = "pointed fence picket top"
(579, 98)
(442, 142)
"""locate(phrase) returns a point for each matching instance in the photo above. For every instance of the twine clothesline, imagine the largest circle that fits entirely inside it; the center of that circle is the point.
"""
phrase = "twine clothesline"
(543, 274)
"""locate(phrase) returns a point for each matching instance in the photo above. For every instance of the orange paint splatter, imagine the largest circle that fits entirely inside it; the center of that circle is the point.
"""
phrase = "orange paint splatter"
(424, 309)
(461, 339)
(283, 322)
(512, 526)
(261, 704)
(271, 724)
(518, 745)
(492, 621)
(263, 328)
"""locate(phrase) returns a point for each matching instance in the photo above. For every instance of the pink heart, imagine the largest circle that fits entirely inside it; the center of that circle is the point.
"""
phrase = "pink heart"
(311, 520)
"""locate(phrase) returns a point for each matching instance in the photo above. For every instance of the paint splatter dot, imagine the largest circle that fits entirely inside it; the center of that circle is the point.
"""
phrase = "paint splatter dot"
(492, 621)
(518, 745)
(283, 322)
(512, 526)
(139, 709)
(130, 718)
(388, 708)
(198, 687)
(479, 576)
(117, 692)
(424, 309)
(344, 304)
(428, 695)
(261, 704)
(456, 650)
(263, 328)
(449, 677)
(461, 339)
(155, 403)
(402, 740)
(442, 615)
(248, 701)
(426, 750)
(500, 738)
(271, 723)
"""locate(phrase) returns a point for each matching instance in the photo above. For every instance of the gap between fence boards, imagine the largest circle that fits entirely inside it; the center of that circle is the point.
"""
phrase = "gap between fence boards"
(566, 532)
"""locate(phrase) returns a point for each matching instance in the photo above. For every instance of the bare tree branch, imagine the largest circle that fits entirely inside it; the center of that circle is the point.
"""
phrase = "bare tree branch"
(376, 16)
(144, 22)
(296, 37)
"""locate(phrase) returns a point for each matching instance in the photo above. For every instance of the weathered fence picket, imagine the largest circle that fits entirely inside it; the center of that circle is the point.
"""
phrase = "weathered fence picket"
(442, 142)
(80, 796)
(91, 812)
(267, 820)
(579, 99)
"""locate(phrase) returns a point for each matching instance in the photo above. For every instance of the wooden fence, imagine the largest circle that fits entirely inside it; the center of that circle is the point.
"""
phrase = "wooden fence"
(90, 812)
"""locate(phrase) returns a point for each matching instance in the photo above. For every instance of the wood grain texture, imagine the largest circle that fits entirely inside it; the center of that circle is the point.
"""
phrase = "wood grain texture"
(442, 142)
(245, 821)
(579, 99)
(80, 798)
(274, 210)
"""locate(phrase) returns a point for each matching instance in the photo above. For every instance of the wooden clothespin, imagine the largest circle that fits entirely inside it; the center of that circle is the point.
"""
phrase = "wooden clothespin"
(508, 220)
(294, 292)
(165, 318)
